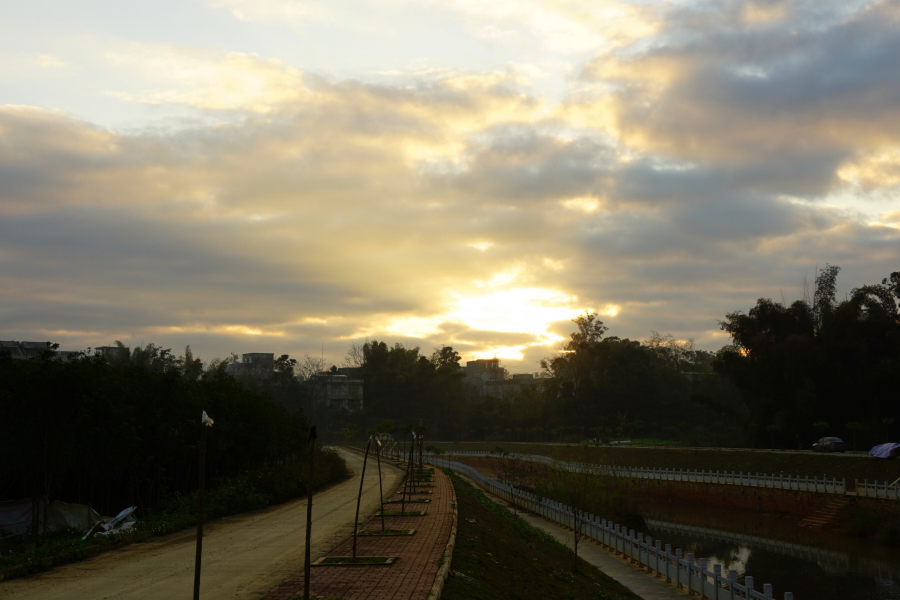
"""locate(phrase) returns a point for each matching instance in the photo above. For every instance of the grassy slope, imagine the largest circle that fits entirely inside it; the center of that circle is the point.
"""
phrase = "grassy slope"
(509, 559)
(710, 459)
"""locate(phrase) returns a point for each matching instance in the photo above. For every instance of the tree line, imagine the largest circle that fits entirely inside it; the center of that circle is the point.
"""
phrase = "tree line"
(792, 374)
(115, 433)
(818, 366)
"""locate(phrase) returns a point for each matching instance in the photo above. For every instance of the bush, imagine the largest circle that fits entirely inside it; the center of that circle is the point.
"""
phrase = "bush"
(248, 491)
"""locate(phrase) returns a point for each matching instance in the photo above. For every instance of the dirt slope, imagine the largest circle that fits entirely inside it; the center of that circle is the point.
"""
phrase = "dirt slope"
(243, 556)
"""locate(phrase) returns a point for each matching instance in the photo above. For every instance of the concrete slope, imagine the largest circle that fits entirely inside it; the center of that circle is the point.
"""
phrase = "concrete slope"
(244, 556)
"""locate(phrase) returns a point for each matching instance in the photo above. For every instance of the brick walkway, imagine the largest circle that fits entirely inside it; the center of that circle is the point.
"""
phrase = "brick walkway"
(410, 578)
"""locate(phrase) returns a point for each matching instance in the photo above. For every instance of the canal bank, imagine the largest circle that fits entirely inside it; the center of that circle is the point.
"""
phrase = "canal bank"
(815, 563)
(762, 537)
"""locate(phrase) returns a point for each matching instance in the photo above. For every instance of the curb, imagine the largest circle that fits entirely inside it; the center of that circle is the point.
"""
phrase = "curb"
(444, 571)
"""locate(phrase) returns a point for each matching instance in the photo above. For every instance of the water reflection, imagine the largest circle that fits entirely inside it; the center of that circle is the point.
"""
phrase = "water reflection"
(831, 566)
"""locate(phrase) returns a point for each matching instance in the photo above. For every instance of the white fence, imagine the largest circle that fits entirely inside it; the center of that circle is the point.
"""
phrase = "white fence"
(877, 490)
(674, 566)
(759, 480)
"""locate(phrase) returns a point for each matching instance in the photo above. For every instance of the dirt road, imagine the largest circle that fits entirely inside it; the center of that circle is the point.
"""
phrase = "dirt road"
(243, 556)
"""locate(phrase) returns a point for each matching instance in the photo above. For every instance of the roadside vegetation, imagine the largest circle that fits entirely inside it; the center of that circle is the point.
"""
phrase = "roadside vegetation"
(117, 435)
(500, 556)
(234, 495)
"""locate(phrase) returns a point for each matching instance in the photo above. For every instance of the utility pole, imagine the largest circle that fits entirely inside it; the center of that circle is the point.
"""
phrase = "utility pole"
(205, 422)
(309, 499)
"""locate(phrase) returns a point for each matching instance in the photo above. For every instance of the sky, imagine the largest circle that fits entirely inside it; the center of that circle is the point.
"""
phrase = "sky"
(293, 177)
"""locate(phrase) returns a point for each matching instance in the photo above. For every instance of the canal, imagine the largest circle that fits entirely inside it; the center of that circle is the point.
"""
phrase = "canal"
(811, 563)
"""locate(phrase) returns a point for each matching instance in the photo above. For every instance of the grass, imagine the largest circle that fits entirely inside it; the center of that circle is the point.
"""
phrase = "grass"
(863, 521)
(62, 546)
(504, 556)
(710, 459)
(252, 490)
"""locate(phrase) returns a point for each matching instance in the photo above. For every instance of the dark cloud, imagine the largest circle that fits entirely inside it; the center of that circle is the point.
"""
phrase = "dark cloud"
(783, 102)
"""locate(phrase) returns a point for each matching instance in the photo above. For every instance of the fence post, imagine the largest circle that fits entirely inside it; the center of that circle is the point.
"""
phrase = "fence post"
(631, 545)
(658, 551)
(690, 570)
(679, 556)
(732, 581)
(702, 578)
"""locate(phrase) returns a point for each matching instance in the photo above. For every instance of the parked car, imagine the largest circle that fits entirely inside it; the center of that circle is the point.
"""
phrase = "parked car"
(829, 444)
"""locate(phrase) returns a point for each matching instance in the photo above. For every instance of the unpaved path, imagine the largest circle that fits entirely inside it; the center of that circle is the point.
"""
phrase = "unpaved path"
(244, 556)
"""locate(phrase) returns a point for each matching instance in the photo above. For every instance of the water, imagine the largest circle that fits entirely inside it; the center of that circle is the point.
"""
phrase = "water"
(809, 562)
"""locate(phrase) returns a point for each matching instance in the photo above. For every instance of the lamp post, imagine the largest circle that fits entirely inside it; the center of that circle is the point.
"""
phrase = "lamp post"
(380, 489)
(362, 478)
(205, 422)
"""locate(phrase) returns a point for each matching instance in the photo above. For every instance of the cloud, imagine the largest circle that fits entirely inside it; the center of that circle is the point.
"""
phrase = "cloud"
(46, 61)
(687, 173)
(814, 88)
(272, 11)
(207, 79)
(564, 27)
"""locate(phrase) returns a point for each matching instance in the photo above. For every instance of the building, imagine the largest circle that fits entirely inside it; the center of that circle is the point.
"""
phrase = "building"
(21, 350)
(13, 349)
(259, 365)
(507, 389)
(115, 354)
(336, 390)
(485, 369)
(487, 378)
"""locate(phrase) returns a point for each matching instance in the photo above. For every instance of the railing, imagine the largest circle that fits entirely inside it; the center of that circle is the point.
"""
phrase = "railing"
(683, 570)
(759, 480)
(877, 490)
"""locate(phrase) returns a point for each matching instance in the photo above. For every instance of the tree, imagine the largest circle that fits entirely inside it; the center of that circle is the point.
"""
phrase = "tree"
(355, 356)
(283, 369)
(508, 467)
(824, 294)
(855, 427)
(590, 329)
(308, 369)
(808, 358)
(192, 367)
(887, 422)
(776, 425)
(822, 426)
(445, 357)
(578, 487)
(681, 355)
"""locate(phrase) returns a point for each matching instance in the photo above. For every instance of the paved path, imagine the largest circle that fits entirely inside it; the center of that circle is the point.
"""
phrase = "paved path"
(637, 580)
(244, 556)
(410, 578)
